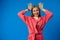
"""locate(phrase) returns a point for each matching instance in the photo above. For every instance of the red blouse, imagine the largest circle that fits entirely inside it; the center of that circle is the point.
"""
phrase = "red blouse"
(31, 23)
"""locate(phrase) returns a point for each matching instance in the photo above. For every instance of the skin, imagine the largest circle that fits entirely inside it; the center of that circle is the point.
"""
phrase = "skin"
(35, 11)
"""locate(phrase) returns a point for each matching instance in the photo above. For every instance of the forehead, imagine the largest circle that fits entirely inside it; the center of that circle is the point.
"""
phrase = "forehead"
(35, 8)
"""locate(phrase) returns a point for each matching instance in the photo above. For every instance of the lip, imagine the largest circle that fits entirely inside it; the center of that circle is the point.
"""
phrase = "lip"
(37, 13)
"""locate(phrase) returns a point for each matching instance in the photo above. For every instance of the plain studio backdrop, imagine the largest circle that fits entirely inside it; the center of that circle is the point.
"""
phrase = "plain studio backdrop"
(13, 28)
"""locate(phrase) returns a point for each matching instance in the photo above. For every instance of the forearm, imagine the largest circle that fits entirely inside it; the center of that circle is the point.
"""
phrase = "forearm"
(47, 12)
(43, 10)
(48, 15)
(22, 12)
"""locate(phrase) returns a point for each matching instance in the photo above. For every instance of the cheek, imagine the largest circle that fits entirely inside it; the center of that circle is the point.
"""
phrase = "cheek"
(33, 13)
(38, 11)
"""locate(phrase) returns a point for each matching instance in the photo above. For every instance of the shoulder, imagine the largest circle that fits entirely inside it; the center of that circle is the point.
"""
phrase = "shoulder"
(28, 17)
(42, 17)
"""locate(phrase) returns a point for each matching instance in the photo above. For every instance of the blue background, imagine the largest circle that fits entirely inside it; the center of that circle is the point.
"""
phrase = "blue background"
(13, 28)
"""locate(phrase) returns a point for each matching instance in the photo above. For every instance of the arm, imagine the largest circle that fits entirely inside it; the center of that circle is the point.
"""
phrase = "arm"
(22, 16)
(48, 15)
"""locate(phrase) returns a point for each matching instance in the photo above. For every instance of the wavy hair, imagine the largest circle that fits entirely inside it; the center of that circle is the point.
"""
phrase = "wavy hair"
(32, 11)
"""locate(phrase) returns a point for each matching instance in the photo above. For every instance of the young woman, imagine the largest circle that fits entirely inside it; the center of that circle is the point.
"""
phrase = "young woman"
(35, 22)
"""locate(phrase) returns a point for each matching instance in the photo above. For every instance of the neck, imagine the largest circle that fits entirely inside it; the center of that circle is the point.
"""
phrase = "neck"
(36, 16)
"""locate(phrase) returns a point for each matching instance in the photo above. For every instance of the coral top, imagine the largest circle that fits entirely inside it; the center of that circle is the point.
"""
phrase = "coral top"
(31, 23)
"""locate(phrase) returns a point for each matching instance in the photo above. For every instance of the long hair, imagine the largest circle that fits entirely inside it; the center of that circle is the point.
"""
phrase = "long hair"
(32, 11)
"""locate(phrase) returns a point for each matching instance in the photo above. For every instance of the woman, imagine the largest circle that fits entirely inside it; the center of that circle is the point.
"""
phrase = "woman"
(35, 22)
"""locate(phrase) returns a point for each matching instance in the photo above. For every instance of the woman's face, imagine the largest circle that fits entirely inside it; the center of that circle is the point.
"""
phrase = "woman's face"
(35, 11)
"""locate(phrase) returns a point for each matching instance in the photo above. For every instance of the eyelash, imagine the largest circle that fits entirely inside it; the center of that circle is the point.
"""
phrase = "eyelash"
(36, 10)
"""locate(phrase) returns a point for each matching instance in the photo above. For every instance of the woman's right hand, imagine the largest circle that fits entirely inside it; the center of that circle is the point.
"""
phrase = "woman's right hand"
(30, 6)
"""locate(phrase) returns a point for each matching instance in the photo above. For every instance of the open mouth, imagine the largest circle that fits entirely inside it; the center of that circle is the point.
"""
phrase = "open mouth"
(36, 13)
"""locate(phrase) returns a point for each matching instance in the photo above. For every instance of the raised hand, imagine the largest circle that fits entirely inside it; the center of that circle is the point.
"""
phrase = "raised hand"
(30, 6)
(41, 5)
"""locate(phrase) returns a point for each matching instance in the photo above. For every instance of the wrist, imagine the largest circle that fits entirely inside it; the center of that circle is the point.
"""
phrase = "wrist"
(26, 9)
(43, 9)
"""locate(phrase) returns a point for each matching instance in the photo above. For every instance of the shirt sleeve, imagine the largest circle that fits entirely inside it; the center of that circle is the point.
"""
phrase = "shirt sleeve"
(22, 16)
(47, 16)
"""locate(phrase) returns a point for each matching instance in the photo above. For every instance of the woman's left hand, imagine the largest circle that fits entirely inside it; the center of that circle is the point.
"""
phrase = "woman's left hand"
(41, 6)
